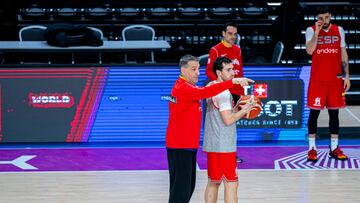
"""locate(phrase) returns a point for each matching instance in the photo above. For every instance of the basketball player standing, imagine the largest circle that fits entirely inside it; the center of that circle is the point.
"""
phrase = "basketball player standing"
(220, 136)
(326, 43)
(228, 48)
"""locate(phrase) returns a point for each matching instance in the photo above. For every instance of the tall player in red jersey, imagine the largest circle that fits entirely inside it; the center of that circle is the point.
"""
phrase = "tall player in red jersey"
(326, 43)
(229, 49)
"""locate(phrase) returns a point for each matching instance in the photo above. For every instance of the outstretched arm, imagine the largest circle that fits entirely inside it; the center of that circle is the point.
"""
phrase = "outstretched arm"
(196, 93)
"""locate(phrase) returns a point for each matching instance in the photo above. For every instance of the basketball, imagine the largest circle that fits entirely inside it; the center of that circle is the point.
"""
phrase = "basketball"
(255, 110)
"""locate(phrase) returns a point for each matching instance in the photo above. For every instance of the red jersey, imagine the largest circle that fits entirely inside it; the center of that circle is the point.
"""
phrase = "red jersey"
(185, 112)
(233, 53)
(326, 59)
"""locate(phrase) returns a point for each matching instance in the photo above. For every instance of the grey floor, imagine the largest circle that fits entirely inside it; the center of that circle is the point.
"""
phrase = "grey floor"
(349, 117)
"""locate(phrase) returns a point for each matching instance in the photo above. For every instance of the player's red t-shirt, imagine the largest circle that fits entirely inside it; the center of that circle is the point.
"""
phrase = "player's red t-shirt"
(326, 59)
(232, 52)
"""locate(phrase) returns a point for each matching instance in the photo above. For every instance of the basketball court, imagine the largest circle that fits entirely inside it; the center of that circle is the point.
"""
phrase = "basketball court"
(87, 124)
(271, 172)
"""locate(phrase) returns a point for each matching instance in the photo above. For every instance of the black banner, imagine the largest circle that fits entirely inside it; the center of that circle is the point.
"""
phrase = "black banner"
(282, 102)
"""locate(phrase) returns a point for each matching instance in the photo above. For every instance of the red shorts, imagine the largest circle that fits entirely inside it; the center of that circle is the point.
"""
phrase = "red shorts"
(222, 166)
(329, 94)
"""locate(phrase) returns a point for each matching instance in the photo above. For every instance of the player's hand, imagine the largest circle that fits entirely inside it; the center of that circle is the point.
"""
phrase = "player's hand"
(250, 103)
(245, 108)
(347, 84)
(318, 26)
(242, 81)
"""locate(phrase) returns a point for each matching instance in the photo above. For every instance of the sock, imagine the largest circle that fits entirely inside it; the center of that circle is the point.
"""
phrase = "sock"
(334, 143)
(312, 143)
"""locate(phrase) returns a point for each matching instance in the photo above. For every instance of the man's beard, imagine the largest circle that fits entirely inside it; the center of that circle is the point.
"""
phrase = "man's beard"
(326, 27)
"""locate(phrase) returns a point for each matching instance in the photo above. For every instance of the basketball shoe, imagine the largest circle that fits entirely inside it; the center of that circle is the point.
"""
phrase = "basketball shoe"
(312, 155)
(338, 154)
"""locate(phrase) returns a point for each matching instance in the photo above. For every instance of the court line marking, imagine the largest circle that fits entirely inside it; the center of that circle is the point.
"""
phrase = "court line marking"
(353, 115)
(158, 171)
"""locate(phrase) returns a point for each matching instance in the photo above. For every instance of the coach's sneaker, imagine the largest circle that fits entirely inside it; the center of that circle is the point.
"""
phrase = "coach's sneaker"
(238, 160)
(312, 155)
(338, 154)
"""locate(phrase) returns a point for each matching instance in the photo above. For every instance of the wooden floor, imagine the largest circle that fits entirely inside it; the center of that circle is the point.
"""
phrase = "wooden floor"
(262, 186)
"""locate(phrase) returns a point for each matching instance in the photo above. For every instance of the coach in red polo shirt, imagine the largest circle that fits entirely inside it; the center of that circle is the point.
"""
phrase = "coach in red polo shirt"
(183, 132)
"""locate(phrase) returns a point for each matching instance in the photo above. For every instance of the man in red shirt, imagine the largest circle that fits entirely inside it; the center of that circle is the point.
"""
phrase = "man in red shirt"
(183, 131)
(229, 49)
(326, 43)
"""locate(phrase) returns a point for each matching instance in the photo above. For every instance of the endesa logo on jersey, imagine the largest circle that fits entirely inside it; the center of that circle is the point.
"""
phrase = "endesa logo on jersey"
(327, 51)
(259, 90)
(51, 100)
(329, 41)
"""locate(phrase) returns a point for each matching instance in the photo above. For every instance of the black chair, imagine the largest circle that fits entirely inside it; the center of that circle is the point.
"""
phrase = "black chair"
(238, 40)
(67, 14)
(35, 14)
(99, 13)
(203, 59)
(139, 32)
(191, 13)
(129, 13)
(160, 13)
(222, 13)
(277, 53)
(33, 33)
(258, 57)
(254, 12)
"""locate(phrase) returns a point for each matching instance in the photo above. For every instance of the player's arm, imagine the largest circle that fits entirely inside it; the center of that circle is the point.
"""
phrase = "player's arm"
(191, 92)
(344, 60)
(223, 102)
(209, 66)
(230, 117)
(312, 37)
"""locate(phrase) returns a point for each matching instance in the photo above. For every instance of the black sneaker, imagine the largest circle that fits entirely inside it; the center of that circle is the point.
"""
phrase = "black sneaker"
(238, 160)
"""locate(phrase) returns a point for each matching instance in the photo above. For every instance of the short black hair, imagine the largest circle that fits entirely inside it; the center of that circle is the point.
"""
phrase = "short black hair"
(229, 24)
(322, 10)
(218, 63)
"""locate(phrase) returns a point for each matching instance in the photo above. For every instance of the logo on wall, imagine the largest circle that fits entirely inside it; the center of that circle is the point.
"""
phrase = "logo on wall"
(260, 90)
(51, 100)
(282, 104)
